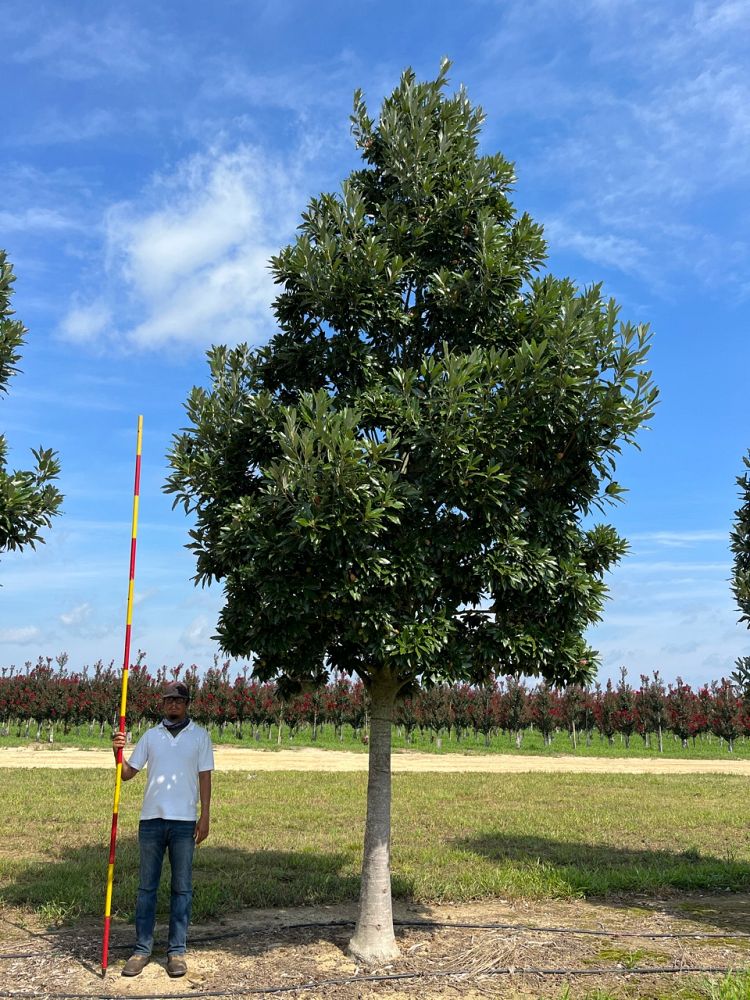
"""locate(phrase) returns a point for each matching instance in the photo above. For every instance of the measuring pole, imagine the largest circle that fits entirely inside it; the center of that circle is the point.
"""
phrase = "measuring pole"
(123, 701)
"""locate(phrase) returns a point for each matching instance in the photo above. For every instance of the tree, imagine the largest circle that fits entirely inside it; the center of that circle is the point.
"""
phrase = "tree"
(726, 716)
(515, 709)
(626, 715)
(606, 712)
(28, 500)
(681, 711)
(395, 486)
(740, 546)
(544, 711)
(652, 708)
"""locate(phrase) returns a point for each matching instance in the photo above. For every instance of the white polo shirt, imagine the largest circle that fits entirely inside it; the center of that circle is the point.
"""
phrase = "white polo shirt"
(173, 763)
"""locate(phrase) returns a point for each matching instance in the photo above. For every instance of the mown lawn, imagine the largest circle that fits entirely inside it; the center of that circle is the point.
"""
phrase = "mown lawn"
(291, 838)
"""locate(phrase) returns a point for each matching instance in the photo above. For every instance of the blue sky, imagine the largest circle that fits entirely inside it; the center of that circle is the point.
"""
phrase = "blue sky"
(155, 155)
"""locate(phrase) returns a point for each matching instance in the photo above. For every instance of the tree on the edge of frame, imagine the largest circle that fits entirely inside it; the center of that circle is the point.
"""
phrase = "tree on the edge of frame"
(740, 546)
(396, 485)
(28, 499)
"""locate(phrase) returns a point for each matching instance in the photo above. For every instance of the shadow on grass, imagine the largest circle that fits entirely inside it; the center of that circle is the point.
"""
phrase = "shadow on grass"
(70, 890)
(604, 871)
(224, 878)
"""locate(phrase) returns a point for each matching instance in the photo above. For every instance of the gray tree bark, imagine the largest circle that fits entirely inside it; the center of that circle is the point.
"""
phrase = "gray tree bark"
(374, 941)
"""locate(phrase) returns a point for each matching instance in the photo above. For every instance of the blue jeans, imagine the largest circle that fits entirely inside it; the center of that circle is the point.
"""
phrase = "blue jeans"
(155, 836)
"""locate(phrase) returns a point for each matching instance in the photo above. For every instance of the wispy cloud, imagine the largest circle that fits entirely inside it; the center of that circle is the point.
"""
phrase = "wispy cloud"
(634, 149)
(37, 219)
(666, 566)
(619, 252)
(678, 539)
(25, 633)
(77, 615)
(86, 323)
(84, 49)
(198, 633)
(54, 128)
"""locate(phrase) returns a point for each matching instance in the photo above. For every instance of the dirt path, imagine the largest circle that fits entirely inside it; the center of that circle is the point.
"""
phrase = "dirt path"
(312, 759)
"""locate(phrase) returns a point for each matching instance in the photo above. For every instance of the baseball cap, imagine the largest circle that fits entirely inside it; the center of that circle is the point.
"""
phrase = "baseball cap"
(176, 689)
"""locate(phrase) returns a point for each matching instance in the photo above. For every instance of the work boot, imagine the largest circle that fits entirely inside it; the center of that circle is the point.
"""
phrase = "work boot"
(176, 966)
(135, 965)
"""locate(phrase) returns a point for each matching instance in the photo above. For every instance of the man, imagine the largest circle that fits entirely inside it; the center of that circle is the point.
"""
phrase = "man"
(179, 758)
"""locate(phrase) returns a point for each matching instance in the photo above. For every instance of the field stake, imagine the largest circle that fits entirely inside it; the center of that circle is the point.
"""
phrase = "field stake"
(123, 701)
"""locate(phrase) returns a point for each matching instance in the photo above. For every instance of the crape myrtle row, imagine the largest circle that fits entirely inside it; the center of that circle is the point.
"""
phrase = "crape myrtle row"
(44, 697)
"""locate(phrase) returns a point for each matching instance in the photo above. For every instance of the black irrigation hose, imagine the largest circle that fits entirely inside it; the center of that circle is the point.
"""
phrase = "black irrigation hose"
(526, 927)
(575, 930)
(432, 924)
(350, 980)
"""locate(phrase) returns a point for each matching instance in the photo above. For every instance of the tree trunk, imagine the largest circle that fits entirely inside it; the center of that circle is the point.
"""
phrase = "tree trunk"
(661, 741)
(373, 941)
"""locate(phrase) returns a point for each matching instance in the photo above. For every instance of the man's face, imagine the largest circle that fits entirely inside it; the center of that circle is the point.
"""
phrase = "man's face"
(175, 709)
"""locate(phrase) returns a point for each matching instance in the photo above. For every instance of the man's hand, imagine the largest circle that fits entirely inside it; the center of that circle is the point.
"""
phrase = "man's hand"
(118, 743)
(201, 830)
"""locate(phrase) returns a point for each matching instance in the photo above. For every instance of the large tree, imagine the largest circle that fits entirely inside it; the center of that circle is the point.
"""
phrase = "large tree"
(399, 485)
(28, 499)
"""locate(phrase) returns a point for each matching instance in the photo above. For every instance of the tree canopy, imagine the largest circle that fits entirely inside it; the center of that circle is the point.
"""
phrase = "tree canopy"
(28, 499)
(401, 483)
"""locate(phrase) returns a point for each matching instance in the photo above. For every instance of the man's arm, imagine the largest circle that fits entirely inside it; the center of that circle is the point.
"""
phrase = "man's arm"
(118, 741)
(204, 785)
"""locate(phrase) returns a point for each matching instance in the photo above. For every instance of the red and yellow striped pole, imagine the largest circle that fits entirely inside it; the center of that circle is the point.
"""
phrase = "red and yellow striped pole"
(123, 701)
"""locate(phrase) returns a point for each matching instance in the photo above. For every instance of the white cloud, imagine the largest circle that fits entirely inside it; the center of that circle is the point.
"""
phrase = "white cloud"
(620, 252)
(198, 633)
(20, 634)
(86, 323)
(142, 596)
(189, 263)
(77, 615)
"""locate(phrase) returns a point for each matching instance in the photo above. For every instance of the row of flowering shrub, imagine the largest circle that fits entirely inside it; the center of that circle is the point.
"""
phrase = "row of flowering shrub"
(46, 695)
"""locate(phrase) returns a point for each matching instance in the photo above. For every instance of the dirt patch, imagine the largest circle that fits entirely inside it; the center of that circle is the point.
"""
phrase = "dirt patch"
(312, 759)
(256, 950)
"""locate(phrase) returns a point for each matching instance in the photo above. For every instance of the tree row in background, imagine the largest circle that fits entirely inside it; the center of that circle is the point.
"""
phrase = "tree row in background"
(47, 697)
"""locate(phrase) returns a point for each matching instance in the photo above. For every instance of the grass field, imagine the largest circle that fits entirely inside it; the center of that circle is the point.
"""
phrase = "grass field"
(286, 838)
(708, 748)
(292, 838)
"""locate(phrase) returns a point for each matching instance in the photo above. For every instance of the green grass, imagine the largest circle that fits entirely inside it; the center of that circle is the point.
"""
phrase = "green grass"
(730, 987)
(280, 839)
(734, 986)
(707, 748)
